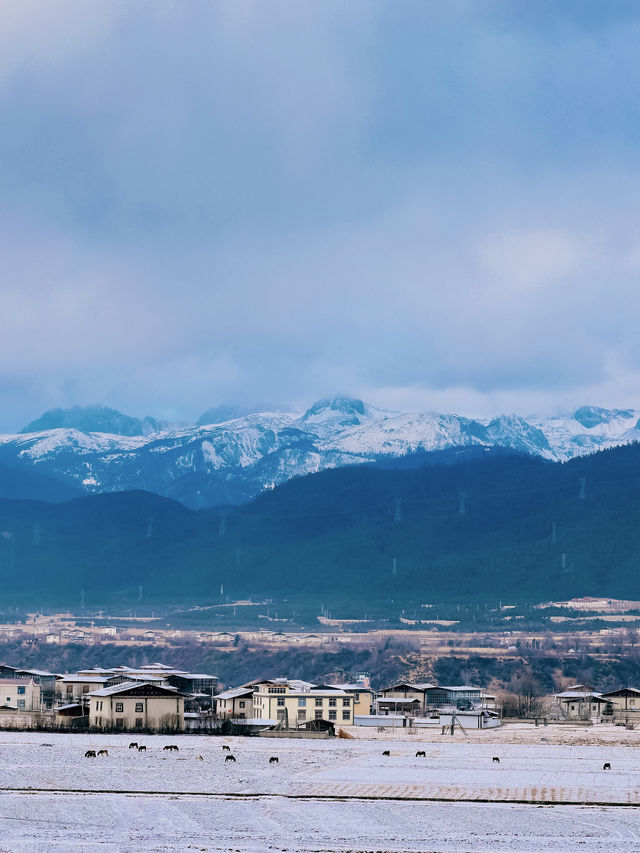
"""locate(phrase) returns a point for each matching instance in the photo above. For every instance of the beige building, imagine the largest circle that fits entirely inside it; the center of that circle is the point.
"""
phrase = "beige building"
(580, 704)
(20, 694)
(76, 688)
(136, 705)
(236, 703)
(363, 697)
(624, 704)
(294, 703)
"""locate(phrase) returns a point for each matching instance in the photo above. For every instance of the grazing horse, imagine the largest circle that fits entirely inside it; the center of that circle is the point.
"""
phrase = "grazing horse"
(386, 752)
(228, 748)
(229, 758)
(142, 748)
(495, 759)
(606, 766)
(171, 747)
(421, 754)
(133, 746)
(273, 759)
(103, 752)
(90, 753)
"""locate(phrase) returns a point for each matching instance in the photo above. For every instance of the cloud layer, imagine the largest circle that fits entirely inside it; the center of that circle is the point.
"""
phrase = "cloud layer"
(431, 205)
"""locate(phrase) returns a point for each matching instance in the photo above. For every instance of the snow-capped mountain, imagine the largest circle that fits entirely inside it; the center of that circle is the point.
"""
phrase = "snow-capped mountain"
(234, 460)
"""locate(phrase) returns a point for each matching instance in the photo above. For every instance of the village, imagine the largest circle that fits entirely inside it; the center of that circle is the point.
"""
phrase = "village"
(157, 698)
(592, 625)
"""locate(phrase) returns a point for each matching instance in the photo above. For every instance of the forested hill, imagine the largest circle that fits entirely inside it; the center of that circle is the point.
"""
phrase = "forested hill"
(505, 527)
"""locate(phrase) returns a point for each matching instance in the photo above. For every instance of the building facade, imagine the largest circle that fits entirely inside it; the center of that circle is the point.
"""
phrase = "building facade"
(135, 705)
(236, 703)
(76, 688)
(20, 694)
(294, 703)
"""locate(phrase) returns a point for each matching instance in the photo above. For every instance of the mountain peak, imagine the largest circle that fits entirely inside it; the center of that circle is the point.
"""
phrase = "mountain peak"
(92, 419)
(342, 405)
(232, 411)
(591, 416)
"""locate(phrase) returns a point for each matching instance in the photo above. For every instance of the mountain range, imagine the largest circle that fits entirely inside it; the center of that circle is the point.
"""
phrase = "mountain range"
(234, 454)
(355, 539)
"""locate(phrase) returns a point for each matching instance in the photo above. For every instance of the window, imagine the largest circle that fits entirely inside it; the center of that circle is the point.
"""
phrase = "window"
(333, 715)
(346, 715)
(346, 702)
(277, 690)
(302, 714)
(21, 691)
(333, 703)
(85, 688)
(318, 703)
(120, 723)
(21, 703)
(241, 703)
(69, 689)
(139, 707)
(138, 722)
(281, 702)
(119, 707)
(318, 715)
(302, 702)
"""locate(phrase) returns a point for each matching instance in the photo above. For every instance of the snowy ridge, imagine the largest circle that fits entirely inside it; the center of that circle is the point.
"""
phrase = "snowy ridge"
(232, 461)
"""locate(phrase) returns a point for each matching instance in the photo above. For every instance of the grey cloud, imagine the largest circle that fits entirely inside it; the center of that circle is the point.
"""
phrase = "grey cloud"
(249, 201)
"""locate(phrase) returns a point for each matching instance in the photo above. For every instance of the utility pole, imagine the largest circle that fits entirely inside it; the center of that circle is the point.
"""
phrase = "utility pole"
(398, 511)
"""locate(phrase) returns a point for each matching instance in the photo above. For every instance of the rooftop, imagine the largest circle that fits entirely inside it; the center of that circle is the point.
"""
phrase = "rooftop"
(126, 686)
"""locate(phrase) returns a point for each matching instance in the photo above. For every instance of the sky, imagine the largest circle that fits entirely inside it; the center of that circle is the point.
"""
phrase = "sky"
(429, 205)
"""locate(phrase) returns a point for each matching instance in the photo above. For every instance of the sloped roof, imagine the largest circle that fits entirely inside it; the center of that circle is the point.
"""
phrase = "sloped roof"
(83, 679)
(128, 686)
(411, 686)
(234, 692)
(581, 694)
(623, 691)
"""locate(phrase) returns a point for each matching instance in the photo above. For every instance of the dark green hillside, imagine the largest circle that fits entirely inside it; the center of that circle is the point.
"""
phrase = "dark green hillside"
(507, 527)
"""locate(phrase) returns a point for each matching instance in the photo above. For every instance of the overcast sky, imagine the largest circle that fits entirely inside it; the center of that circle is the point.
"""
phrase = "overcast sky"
(431, 205)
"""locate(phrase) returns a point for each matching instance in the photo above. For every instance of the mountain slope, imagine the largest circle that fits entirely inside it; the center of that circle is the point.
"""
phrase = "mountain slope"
(483, 530)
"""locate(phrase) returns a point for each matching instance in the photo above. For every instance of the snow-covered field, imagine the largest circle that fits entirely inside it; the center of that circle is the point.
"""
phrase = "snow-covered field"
(337, 795)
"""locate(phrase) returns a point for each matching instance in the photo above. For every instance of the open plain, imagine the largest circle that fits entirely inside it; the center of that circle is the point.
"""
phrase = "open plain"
(548, 790)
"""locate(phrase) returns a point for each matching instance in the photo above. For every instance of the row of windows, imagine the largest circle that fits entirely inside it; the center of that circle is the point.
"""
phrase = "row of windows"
(120, 722)
(333, 715)
(120, 707)
(333, 703)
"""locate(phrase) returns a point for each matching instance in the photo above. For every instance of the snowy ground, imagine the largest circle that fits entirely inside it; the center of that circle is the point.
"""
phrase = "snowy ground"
(337, 795)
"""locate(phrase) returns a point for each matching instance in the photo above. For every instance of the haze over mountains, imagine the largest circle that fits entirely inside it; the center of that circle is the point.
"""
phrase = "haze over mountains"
(233, 454)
